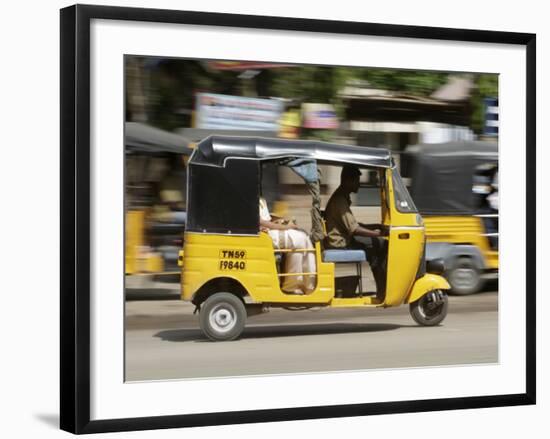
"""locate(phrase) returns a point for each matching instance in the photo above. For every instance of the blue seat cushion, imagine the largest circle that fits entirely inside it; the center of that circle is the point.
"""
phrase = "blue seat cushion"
(344, 255)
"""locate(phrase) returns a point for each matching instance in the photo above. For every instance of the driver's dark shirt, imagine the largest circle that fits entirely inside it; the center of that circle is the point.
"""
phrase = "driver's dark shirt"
(340, 222)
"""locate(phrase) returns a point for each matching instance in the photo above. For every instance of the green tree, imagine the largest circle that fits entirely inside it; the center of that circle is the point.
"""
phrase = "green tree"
(413, 82)
(172, 87)
(318, 84)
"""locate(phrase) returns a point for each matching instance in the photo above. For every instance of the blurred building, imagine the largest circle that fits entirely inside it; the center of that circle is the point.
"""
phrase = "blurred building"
(383, 117)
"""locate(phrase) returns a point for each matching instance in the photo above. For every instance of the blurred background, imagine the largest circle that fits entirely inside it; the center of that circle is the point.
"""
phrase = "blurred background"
(442, 128)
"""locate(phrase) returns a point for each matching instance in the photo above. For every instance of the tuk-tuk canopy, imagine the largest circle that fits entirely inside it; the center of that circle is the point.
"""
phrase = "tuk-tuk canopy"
(442, 175)
(215, 150)
(225, 176)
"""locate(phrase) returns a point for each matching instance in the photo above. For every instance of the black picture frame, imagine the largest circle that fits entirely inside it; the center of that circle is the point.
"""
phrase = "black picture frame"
(75, 217)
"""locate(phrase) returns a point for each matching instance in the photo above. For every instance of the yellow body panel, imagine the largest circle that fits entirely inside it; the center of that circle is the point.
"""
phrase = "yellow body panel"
(138, 261)
(491, 259)
(404, 258)
(135, 224)
(355, 302)
(152, 263)
(425, 284)
(406, 244)
(203, 260)
(461, 230)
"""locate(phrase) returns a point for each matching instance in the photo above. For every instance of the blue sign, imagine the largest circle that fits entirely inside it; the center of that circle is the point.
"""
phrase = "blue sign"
(490, 126)
(222, 112)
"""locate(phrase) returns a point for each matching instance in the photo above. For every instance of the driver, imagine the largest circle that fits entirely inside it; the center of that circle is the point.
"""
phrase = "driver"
(343, 230)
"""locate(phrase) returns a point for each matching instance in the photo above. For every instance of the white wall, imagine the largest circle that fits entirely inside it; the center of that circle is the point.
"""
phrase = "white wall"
(29, 172)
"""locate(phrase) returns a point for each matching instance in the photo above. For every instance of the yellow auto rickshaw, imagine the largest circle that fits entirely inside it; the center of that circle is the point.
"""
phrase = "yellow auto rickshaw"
(230, 267)
(454, 186)
(154, 203)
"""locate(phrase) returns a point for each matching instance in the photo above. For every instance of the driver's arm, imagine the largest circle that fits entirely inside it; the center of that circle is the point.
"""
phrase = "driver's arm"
(355, 228)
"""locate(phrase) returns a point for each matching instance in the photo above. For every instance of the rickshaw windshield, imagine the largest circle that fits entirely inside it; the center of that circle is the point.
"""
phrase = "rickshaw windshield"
(403, 200)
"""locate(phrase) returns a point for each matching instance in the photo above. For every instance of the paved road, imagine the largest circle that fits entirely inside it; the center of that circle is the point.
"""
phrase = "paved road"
(163, 340)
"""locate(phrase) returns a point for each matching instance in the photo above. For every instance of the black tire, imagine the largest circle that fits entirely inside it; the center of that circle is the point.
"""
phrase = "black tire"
(464, 277)
(430, 309)
(222, 317)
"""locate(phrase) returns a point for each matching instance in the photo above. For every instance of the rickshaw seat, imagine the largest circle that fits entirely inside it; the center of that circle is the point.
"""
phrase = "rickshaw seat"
(341, 255)
(347, 256)
(344, 256)
(352, 256)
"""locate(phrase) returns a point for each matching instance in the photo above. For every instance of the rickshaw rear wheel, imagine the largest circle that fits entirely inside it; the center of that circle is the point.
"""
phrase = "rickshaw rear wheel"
(430, 309)
(222, 317)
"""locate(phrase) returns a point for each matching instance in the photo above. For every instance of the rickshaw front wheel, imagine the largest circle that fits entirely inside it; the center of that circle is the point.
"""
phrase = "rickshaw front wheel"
(222, 317)
(430, 309)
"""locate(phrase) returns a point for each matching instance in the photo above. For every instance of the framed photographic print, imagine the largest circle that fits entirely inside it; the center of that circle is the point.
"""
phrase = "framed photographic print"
(275, 218)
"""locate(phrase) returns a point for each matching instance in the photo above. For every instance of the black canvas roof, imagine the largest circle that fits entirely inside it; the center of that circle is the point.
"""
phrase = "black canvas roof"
(474, 148)
(442, 174)
(214, 151)
(148, 139)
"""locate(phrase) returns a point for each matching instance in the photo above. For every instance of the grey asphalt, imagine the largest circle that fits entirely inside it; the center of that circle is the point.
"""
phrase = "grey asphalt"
(163, 340)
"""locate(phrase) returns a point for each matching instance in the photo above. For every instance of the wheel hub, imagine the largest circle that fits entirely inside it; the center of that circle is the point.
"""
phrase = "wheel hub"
(222, 319)
(464, 277)
(431, 303)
